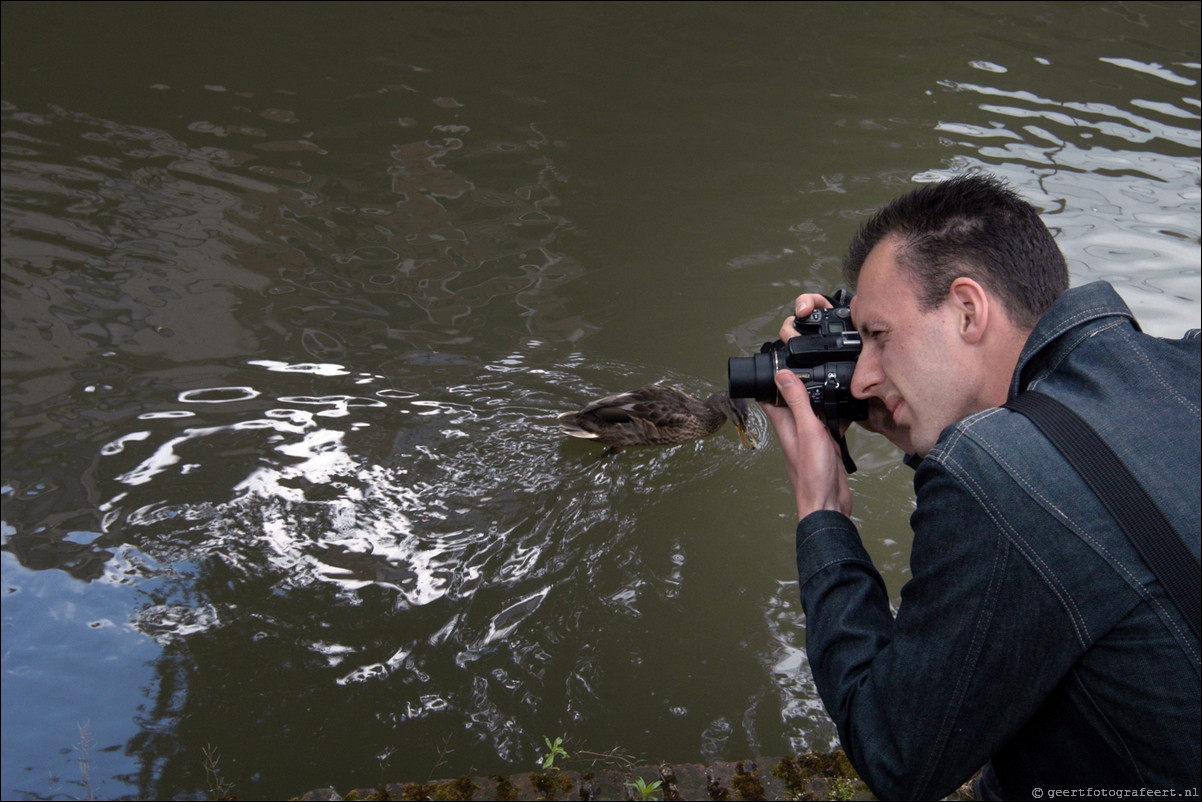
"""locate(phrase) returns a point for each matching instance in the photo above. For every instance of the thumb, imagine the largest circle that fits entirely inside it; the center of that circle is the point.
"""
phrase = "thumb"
(795, 394)
(791, 389)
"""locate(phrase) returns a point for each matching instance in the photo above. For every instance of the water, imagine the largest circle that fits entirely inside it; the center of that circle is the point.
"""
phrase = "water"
(292, 294)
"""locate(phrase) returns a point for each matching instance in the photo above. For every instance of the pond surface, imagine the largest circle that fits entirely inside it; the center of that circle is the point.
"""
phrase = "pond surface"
(293, 292)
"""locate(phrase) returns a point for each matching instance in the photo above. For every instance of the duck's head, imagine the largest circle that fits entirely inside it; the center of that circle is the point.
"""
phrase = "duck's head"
(737, 411)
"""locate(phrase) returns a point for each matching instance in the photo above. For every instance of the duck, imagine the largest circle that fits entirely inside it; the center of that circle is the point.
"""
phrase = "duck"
(655, 415)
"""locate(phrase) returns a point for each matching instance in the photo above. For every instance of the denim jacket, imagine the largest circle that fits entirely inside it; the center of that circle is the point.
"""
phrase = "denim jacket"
(1031, 637)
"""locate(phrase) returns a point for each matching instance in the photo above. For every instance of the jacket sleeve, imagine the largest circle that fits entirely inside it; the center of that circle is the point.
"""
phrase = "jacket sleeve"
(923, 699)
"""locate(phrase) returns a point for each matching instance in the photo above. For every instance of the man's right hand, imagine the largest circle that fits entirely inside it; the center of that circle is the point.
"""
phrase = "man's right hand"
(812, 459)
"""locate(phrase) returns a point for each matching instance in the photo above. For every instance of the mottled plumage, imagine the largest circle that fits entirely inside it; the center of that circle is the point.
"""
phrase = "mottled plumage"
(654, 415)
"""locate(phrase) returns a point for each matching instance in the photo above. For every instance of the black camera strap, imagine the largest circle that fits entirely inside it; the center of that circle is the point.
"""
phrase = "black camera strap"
(831, 408)
(1145, 525)
(849, 464)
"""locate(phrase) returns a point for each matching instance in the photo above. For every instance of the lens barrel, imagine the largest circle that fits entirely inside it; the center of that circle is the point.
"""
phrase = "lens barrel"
(752, 377)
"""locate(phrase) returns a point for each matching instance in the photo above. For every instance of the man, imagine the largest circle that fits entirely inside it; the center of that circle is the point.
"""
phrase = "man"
(1032, 639)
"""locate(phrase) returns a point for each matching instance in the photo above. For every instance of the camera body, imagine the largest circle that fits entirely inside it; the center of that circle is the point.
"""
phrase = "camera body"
(823, 356)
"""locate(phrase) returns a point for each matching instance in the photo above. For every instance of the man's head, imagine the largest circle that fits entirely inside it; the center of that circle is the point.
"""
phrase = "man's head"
(973, 226)
(951, 278)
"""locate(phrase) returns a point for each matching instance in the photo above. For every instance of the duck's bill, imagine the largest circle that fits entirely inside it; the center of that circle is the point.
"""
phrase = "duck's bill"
(747, 436)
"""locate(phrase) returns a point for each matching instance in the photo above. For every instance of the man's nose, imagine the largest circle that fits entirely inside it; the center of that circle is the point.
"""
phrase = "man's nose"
(867, 376)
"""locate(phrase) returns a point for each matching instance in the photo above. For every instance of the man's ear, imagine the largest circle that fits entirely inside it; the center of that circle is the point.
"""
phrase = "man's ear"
(972, 304)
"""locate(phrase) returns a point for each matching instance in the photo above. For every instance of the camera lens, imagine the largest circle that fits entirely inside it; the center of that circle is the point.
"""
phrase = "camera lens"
(751, 377)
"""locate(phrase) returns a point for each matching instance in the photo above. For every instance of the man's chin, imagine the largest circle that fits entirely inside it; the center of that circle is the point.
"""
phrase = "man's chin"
(881, 421)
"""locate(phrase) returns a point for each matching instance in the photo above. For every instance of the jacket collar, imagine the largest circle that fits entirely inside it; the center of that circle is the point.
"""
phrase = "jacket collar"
(1082, 309)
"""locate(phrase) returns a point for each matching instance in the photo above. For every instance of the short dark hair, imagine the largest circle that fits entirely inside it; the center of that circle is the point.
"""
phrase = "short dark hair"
(975, 226)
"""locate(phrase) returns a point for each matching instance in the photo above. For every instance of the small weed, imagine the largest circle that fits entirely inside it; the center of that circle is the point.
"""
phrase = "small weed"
(85, 757)
(614, 757)
(218, 787)
(644, 790)
(841, 789)
(443, 751)
(554, 751)
(383, 759)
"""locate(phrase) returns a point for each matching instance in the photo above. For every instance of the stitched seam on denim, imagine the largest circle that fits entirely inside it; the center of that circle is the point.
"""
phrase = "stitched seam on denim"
(837, 561)
(1069, 322)
(1032, 556)
(1071, 346)
(1135, 347)
(817, 532)
(1165, 615)
(1025, 548)
(957, 435)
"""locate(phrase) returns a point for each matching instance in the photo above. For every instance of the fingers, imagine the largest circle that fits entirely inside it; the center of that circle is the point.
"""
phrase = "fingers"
(811, 456)
(803, 307)
(793, 393)
(806, 304)
(795, 423)
(787, 331)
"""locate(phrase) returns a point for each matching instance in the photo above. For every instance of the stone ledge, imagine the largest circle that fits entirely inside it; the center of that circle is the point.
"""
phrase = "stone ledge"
(805, 777)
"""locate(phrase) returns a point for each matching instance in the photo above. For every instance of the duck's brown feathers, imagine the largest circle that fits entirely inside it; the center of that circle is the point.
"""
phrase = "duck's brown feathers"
(652, 415)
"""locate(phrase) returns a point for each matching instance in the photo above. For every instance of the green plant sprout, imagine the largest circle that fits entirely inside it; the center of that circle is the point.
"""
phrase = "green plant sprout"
(644, 790)
(554, 750)
(841, 789)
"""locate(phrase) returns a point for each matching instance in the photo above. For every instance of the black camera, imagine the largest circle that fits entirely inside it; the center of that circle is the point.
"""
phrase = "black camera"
(823, 356)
